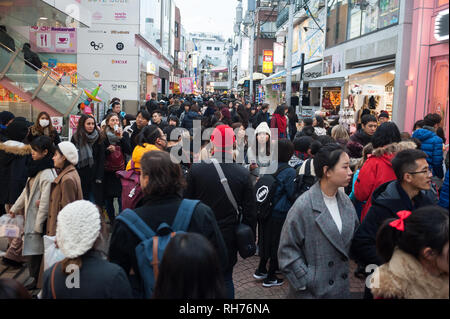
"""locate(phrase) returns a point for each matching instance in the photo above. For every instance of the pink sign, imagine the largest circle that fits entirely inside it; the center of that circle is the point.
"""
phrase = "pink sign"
(187, 85)
(53, 40)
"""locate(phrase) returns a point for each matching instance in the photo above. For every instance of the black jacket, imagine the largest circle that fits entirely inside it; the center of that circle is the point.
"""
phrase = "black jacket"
(361, 137)
(7, 41)
(387, 200)
(204, 184)
(89, 175)
(155, 211)
(14, 159)
(262, 117)
(133, 138)
(99, 279)
(188, 120)
(151, 105)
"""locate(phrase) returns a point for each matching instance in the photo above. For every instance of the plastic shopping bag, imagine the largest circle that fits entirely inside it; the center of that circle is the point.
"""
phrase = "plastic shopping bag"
(11, 227)
(52, 255)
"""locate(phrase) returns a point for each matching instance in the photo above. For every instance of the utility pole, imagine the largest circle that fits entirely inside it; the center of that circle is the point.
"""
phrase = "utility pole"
(289, 53)
(238, 32)
(302, 69)
(252, 48)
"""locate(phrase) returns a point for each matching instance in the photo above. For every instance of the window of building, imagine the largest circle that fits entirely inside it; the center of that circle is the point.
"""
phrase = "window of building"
(177, 35)
(217, 49)
(209, 48)
(337, 22)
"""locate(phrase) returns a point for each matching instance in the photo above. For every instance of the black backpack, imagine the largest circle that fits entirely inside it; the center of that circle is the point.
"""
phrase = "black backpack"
(303, 182)
(264, 191)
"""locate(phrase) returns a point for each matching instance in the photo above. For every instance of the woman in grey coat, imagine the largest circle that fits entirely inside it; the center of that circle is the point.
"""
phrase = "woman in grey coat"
(315, 240)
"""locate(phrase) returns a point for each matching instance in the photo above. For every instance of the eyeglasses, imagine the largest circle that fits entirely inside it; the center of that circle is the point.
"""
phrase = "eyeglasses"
(425, 171)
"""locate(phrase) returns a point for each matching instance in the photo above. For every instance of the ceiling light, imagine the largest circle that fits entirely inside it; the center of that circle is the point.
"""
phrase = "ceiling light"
(43, 18)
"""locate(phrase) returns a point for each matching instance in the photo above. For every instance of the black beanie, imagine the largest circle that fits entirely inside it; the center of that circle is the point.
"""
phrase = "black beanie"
(5, 117)
(17, 130)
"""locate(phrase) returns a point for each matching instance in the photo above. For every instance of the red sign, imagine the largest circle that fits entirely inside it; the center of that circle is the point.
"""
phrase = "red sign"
(73, 123)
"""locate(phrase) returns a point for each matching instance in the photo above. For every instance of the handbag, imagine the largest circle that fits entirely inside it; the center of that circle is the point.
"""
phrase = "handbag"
(244, 234)
(114, 161)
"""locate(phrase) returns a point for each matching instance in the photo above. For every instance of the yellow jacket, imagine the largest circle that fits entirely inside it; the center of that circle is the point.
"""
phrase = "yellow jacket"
(138, 153)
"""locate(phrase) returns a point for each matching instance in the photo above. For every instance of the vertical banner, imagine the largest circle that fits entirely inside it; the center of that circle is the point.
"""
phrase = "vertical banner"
(268, 61)
(278, 54)
(187, 85)
(57, 122)
(73, 123)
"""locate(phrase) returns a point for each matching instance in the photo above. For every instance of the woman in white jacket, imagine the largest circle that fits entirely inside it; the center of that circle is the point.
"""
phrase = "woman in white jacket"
(34, 203)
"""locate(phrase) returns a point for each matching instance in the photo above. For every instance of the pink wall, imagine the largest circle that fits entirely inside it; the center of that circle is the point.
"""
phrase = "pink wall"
(424, 51)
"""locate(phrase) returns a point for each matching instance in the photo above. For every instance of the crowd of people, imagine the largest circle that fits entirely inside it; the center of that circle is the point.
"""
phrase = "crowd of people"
(375, 196)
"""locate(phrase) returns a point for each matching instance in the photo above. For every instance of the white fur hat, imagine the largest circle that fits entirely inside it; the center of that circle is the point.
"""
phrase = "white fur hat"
(69, 151)
(263, 128)
(77, 228)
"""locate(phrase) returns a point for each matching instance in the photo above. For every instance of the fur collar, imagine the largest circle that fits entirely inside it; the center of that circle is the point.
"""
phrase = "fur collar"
(403, 277)
(16, 148)
(393, 148)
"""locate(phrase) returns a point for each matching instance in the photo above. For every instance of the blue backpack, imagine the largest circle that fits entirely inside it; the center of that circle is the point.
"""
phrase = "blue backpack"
(150, 250)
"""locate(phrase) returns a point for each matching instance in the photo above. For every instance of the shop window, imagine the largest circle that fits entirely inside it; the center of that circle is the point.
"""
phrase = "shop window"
(369, 20)
(388, 13)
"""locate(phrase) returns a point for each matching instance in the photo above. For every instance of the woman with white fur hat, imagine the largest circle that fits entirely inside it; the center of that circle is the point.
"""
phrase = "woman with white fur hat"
(66, 187)
(84, 273)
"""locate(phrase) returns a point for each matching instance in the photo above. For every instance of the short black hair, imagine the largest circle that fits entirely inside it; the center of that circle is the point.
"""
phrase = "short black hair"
(368, 118)
(145, 114)
(328, 155)
(285, 150)
(114, 104)
(42, 143)
(303, 143)
(387, 133)
(405, 161)
(157, 111)
(308, 121)
(418, 124)
(149, 134)
(432, 119)
(320, 122)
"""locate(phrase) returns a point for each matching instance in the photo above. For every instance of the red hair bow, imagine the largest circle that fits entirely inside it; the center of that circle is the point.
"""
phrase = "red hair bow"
(399, 223)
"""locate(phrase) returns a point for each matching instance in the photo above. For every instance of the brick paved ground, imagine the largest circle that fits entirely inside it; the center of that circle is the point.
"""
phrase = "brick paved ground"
(246, 287)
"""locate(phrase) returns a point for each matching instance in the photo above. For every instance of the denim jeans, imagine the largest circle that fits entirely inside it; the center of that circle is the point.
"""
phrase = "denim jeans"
(229, 286)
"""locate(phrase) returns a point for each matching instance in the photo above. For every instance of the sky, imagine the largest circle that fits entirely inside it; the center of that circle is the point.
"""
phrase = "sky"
(215, 16)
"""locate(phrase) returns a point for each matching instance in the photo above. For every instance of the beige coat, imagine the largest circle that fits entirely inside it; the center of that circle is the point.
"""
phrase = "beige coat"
(35, 216)
(66, 189)
(403, 277)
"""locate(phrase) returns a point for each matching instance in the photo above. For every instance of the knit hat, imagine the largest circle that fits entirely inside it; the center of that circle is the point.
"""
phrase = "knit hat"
(263, 128)
(77, 228)
(354, 149)
(223, 136)
(69, 151)
(5, 117)
(17, 130)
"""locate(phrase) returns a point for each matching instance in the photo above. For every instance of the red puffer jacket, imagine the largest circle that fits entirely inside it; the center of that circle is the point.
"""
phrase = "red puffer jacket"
(376, 171)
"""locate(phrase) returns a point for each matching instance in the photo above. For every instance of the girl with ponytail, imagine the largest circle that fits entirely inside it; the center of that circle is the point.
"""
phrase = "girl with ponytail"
(415, 249)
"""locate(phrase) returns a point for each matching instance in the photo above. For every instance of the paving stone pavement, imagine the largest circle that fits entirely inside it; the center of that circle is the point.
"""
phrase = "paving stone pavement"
(247, 287)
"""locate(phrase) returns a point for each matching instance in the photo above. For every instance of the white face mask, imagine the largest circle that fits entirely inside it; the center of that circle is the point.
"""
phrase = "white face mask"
(44, 123)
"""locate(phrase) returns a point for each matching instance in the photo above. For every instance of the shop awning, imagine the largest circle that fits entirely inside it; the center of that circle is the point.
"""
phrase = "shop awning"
(271, 79)
(256, 77)
(339, 78)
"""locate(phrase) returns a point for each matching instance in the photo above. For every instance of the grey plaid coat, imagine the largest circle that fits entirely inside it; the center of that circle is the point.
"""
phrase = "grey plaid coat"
(312, 253)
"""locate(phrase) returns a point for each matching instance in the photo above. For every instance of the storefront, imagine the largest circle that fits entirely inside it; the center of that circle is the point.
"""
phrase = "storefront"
(368, 87)
(428, 86)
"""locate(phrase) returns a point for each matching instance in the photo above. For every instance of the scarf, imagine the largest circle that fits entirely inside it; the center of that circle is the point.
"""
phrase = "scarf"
(281, 123)
(112, 138)
(39, 132)
(85, 153)
(36, 166)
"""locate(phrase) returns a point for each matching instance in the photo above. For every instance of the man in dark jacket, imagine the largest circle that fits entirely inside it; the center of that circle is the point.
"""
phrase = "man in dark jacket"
(157, 119)
(263, 115)
(143, 118)
(204, 184)
(152, 104)
(409, 192)
(161, 203)
(364, 135)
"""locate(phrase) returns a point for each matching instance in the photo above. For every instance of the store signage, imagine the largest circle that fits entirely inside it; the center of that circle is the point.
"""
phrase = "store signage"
(278, 54)
(97, 46)
(119, 46)
(52, 63)
(57, 122)
(276, 87)
(53, 40)
(151, 67)
(369, 89)
(187, 85)
(267, 61)
(441, 27)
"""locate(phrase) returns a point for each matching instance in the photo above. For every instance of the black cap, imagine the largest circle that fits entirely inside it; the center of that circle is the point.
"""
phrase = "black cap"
(18, 129)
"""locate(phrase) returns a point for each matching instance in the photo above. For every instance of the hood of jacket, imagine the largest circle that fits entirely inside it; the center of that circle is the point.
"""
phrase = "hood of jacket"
(192, 115)
(389, 151)
(361, 137)
(423, 134)
(405, 278)
(138, 152)
(15, 148)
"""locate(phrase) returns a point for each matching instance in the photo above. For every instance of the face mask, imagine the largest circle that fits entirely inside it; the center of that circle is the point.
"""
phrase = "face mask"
(44, 123)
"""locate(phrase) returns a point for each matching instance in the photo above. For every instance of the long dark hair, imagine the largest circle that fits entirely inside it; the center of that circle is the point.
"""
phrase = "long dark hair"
(37, 126)
(387, 133)
(80, 134)
(280, 110)
(189, 269)
(425, 227)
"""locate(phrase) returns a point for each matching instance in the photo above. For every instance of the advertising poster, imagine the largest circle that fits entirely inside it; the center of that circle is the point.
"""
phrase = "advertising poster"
(57, 122)
(278, 54)
(186, 85)
(267, 61)
(73, 123)
(53, 40)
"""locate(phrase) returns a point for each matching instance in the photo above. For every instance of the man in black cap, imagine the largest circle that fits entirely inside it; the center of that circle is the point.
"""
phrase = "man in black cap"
(383, 117)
